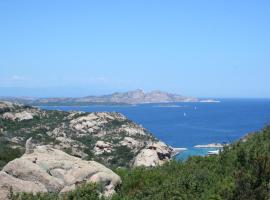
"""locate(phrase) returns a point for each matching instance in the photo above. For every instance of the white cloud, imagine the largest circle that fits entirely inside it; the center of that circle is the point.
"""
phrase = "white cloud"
(14, 80)
(18, 78)
(99, 79)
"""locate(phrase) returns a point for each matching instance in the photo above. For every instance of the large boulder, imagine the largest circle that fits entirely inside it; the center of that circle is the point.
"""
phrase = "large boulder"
(154, 154)
(7, 182)
(45, 169)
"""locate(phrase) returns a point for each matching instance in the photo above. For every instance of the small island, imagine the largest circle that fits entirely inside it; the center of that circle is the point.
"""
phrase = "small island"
(212, 145)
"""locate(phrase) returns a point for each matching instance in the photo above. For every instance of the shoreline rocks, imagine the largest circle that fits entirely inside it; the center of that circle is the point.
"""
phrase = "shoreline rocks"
(153, 155)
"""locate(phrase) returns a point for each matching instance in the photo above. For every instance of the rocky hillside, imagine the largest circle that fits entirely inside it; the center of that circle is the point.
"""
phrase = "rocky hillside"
(109, 138)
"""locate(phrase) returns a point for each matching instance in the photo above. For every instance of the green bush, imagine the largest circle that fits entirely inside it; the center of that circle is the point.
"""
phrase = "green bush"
(84, 192)
(7, 153)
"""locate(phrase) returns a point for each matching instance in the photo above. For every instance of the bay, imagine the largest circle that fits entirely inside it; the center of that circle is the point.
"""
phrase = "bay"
(190, 124)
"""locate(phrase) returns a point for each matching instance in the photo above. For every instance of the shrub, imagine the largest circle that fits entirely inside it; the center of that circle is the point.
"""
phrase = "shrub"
(84, 192)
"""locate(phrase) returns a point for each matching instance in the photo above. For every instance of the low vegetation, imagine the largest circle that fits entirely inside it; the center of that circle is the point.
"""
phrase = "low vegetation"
(85, 192)
(7, 153)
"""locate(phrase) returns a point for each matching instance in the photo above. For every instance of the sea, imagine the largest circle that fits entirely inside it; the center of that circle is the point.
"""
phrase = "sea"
(188, 124)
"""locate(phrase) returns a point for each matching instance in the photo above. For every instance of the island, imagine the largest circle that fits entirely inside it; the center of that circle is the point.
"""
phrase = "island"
(212, 145)
(118, 98)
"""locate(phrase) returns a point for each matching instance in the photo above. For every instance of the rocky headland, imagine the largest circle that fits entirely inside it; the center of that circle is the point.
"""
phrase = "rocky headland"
(109, 138)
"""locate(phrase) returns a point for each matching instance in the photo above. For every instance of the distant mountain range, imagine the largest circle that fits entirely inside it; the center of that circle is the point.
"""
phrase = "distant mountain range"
(130, 97)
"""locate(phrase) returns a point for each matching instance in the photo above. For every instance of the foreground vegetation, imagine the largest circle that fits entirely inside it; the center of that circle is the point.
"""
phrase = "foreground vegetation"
(240, 172)
(85, 192)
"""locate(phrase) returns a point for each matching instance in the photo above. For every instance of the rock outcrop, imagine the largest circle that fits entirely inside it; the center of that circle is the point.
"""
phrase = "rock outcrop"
(154, 154)
(5, 105)
(20, 116)
(102, 147)
(131, 143)
(7, 182)
(44, 169)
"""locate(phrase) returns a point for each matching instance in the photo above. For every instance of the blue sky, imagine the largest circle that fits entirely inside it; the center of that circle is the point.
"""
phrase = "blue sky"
(76, 48)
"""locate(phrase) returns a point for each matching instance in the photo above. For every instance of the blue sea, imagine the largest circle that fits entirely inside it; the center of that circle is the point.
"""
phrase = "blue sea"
(190, 124)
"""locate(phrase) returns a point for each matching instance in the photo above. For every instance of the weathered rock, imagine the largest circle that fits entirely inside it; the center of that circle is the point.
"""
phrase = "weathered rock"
(18, 185)
(136, 130)
(131, 143)
(86, 122)
(93, 122)
(9, 115)
(155, 154)
(147, 158)
(51, 170)
(5, 105)
(21, 116)
(160, 147)
(29, 147)
(28, 170)
(102, 147)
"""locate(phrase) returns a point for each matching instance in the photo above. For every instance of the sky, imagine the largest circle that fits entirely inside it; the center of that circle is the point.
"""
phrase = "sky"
(202, 48)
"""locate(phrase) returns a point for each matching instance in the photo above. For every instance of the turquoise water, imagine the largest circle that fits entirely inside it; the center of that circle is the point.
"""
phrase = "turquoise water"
(194, 152)
(190, 124)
